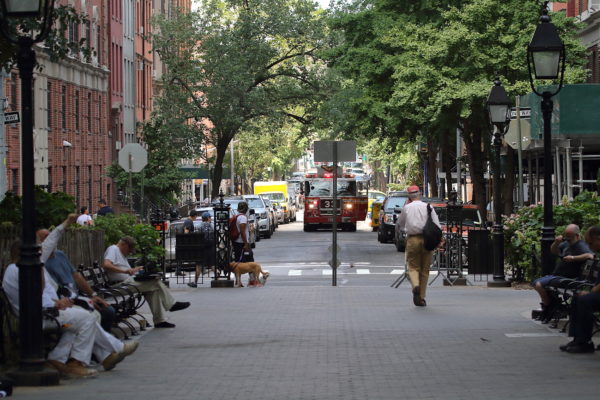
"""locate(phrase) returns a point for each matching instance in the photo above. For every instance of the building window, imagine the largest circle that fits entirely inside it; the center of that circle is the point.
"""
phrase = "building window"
(49, 104)
(63, 104)
(64, 182)
(13, 93)
(99, 115)
(89, 112)
(49, 179)
(90, 183)
(77, 182)
(76, 116)
(15, 181)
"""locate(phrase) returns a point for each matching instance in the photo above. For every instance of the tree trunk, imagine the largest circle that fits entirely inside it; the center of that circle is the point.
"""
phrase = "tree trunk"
(431, 161)
(472, 136)
(509, 181)
(218, 170)
(447, 161)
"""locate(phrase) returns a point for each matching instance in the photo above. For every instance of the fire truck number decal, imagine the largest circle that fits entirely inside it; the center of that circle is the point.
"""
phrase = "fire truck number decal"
(328, 203)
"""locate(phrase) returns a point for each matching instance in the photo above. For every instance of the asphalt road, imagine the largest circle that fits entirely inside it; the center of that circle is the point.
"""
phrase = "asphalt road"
(295, 257)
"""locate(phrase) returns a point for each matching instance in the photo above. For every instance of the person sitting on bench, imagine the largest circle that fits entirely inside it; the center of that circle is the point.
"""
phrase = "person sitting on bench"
(156, 293)
(581, 319)
(573, 254)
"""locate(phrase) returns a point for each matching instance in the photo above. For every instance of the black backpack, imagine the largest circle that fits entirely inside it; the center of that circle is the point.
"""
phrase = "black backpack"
(432, 234)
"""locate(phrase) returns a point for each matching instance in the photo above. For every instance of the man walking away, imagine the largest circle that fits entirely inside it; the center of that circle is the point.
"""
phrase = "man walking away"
(413, 218)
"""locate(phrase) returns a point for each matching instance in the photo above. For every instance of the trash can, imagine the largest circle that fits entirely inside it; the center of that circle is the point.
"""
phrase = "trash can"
(478, 252)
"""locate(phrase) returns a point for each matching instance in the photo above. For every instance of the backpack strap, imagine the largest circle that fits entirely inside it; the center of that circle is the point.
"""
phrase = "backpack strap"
(428, 210)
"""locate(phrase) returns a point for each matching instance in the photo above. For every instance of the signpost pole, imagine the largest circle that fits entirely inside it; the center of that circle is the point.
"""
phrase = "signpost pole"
(334, 222)
(520, 152)
(130, 158)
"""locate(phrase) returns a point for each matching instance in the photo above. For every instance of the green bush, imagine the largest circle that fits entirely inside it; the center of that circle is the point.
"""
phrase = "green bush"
(522, 231)
(51, 208)
(117, 226)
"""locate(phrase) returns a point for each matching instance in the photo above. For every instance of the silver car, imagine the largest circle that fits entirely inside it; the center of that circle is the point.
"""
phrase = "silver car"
(262, 214)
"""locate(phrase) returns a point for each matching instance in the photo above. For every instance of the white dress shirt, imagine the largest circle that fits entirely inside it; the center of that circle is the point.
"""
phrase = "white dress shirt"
(414, 216)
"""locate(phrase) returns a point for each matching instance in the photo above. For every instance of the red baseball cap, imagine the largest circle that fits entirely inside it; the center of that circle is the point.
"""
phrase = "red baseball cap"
(413, 189)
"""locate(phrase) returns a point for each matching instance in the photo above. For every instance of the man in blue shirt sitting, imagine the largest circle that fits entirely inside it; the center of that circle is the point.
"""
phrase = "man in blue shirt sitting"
(63, 272)
(581, 320)
(573, 253)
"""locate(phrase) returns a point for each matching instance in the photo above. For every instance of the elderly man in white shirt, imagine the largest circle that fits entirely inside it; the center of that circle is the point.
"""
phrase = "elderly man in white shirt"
(412, 219)
(82, 334)
(155, 292)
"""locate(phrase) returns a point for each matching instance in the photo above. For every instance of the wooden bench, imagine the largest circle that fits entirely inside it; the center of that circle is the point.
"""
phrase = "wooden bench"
(125, 299)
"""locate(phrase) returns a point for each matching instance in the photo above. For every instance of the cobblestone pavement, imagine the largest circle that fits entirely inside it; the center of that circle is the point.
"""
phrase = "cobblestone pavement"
(350, 343)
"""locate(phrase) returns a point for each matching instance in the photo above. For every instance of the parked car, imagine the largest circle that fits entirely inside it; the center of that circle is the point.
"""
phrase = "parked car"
(470, 217)
(388, 215)
(272, 212)
(277, 209)
(263, 215)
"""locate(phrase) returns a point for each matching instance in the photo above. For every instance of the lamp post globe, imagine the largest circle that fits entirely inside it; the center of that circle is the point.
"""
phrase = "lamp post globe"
(23, 8)
(498, 104)
(23, 14)
(546, 59)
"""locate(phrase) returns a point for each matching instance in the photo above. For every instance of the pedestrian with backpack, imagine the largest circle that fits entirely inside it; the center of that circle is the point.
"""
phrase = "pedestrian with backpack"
(239, 234)
(413, 218)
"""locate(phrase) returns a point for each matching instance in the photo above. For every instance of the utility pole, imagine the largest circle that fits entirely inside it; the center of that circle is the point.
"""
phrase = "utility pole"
(3, 141)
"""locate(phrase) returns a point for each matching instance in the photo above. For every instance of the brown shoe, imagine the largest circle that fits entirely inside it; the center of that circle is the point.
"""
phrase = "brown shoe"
(76, 369)
(112, 360)
(57, 365)
(129, 348)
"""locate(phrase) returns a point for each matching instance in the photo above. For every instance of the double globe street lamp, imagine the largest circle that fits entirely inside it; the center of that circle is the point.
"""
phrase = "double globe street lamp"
(498, 104)
(546, 60)
(24, 23)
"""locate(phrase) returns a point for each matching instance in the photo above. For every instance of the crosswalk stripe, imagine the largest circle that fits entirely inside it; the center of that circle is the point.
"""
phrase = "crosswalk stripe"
(294, 272)
(363, 271)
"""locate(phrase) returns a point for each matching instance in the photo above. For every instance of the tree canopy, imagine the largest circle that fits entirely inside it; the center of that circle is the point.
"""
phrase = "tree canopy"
(235, 61)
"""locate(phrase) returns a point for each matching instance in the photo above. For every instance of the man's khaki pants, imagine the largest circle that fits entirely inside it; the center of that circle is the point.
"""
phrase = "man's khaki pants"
(157, 295)
(418, 261)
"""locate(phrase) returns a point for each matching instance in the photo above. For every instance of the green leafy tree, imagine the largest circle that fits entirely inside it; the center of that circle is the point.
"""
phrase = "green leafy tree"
(57, 45)
(427, 66)
(235, 61)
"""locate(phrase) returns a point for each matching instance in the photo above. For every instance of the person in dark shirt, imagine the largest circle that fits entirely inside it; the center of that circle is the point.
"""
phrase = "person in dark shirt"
(104, 209)
(188, 224)
(581, 320)
(573, 253)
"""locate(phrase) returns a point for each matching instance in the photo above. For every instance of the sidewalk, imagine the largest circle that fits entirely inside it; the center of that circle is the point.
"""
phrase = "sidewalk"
(350, 343)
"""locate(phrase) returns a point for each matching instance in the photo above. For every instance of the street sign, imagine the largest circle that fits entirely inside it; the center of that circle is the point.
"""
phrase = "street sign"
(133, 157)
(524, 111)
(11, 117)
(346, 150)
(512, 136)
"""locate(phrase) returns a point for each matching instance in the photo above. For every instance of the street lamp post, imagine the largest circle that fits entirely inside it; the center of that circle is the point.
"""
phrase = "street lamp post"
(498, 104)
(20, 14)
(546, 60)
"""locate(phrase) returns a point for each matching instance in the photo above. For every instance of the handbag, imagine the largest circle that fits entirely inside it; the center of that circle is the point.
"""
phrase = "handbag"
(432, 234)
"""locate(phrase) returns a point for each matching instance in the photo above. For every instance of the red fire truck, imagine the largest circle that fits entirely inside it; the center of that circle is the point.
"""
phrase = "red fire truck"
(318, 200)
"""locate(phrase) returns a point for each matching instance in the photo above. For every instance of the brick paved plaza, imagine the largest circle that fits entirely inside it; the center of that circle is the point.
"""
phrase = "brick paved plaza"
(367, 342)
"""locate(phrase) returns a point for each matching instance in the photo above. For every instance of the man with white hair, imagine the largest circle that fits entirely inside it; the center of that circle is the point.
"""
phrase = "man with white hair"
(418, 259)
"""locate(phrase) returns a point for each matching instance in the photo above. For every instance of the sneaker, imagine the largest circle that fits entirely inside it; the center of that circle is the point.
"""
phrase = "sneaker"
(130, 348)
(581, 348)
(164, 324)
(57, 365)
(192, 284)
(112, 360)
(565, 346)
(180, 305)
(76, 369)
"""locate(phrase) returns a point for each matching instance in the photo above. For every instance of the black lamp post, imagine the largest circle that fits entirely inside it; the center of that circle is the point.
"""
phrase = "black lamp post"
(498, 104)
(21, 15)
(546, 60)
